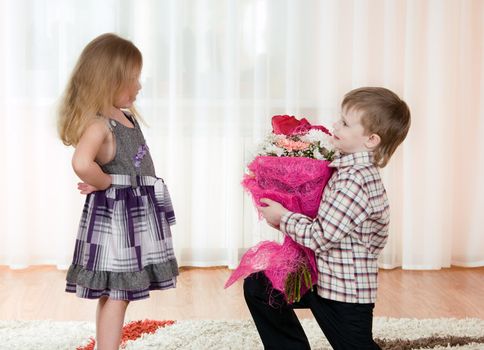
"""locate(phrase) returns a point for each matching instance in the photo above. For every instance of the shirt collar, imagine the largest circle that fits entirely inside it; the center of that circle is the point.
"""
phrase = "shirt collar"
(350, 159)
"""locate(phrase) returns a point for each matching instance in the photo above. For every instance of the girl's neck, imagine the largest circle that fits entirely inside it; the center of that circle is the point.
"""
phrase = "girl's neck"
(114, 113)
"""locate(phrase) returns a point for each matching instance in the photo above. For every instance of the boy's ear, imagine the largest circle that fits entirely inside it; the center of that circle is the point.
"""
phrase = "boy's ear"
(373, 141)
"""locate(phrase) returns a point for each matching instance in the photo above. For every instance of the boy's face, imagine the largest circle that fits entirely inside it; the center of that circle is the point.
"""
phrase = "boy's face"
(349, 135)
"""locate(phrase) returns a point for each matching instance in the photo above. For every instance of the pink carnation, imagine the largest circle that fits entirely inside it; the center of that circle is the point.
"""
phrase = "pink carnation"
(291, 145)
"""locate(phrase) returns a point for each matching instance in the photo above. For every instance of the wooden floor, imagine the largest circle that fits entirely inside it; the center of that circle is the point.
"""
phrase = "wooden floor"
(38, 293)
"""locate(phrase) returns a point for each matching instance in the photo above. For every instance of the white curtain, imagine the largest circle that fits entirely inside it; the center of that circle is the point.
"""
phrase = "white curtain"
(215, 72)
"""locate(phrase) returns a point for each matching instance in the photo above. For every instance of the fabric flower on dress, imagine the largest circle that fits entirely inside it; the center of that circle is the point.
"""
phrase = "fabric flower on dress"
(142, 150)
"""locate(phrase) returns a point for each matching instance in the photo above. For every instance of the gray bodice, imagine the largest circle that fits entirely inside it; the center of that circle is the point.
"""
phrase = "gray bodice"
(132, 154)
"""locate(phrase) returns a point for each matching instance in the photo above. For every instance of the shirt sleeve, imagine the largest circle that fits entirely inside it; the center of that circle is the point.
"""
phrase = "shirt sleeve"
(342, 209)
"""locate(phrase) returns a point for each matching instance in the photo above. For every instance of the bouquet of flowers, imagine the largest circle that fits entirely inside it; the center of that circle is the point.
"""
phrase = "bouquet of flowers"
(292, 168)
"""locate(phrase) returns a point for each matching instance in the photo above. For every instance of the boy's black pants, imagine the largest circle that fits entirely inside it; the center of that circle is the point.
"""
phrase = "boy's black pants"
(345, 325)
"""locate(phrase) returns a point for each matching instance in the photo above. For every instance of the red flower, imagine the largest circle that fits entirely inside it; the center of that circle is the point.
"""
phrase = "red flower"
(284, 124)
(289, 125)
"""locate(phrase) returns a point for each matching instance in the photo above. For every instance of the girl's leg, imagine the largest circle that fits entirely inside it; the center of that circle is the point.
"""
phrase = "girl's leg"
(100, 304)
(109, 323)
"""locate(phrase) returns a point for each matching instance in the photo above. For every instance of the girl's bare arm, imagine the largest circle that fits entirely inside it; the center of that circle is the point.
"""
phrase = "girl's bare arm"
(83, 161)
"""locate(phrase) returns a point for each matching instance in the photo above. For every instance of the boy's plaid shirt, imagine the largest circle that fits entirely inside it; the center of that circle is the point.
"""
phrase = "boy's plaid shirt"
(349, 232)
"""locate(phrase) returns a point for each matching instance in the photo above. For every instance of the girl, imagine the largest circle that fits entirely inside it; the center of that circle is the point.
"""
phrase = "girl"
(123, 247)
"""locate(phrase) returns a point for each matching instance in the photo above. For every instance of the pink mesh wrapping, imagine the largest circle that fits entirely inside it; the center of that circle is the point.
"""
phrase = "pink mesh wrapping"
(297, 183)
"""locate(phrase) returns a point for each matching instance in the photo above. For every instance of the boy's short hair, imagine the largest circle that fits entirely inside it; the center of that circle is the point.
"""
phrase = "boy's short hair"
(384, 114)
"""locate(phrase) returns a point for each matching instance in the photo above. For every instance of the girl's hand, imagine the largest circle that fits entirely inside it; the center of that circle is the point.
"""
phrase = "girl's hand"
(273, 212)
(86, 188)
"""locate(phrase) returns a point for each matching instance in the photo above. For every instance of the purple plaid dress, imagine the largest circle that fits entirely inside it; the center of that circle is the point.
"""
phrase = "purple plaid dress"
(124, 246)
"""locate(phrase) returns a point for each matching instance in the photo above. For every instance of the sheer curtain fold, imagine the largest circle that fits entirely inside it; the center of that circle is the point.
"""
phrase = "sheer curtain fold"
(214, 73)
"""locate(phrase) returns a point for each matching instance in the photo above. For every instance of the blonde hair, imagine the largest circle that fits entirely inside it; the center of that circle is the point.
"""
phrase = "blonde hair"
(384, 114)
(105, 66)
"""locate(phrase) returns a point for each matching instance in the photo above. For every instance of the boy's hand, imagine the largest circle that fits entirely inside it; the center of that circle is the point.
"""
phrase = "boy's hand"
(86, 188)
(273, 212)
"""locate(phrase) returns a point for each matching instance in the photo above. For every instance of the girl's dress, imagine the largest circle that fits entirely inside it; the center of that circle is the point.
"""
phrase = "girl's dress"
(124, 246)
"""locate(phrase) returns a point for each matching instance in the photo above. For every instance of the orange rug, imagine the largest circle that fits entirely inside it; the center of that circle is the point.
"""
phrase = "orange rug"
(132, 331)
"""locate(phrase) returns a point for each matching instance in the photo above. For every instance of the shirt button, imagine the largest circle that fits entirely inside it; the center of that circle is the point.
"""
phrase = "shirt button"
(113, 123)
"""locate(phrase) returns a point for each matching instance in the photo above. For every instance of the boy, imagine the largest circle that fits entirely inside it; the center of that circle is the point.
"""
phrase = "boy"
(347, 235)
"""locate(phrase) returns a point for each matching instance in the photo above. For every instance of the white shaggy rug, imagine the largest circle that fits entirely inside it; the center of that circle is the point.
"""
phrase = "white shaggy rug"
(223, 335)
